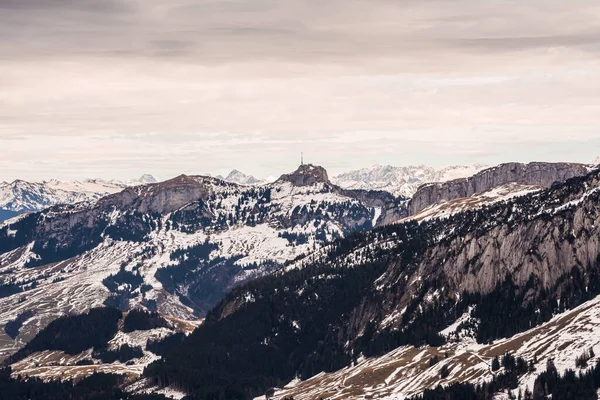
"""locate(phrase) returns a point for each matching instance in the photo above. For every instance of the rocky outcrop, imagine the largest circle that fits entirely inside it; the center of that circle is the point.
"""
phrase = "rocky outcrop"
(533, 174)
(306, 175)
(391, 208)
(160, 198)
(542, 236)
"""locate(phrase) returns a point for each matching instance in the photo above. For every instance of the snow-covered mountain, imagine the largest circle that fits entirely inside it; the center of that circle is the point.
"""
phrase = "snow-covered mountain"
(144, 179)
(240, 178)
(175, 246)
(22, 196)
(496, 295)
(401, 181)
(385, 313)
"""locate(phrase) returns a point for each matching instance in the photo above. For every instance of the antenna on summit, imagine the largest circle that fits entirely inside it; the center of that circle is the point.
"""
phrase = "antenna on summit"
(301, 158)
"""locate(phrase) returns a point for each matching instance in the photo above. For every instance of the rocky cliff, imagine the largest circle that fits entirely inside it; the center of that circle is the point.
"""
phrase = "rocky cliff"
(534, 242)
(533, 174)
(306, 175)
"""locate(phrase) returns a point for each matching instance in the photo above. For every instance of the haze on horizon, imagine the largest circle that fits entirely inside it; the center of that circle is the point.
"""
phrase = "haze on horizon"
(117, 88)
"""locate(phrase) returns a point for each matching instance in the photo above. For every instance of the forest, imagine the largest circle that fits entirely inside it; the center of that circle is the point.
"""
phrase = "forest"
(548, 385)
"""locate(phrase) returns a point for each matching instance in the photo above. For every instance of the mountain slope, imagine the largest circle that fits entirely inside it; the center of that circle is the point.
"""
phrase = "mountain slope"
(493, 272)
(21, 196)
(176, 247)
(409, 371)
(532, 174)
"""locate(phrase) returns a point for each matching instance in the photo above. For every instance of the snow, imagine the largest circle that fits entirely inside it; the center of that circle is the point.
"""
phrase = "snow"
(75, 285)
(240, 178)
(405, 372)
(376, 216)
(21, 195)
(401, 181)
(32, 196)
(446, 209)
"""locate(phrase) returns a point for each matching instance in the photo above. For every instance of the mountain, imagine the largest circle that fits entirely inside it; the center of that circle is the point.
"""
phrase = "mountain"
(144, 179)
(7, 214)
(532, 174)
(22, 196)
(304, 287)
(446, 208)
(400, 309)
(401, 181)
(175, 247)
(103, 339)
(240, 178)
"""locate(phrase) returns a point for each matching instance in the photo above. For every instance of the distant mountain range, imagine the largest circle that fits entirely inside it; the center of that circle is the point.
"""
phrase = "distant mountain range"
(402, 181)
(240, 178)
(21, 196)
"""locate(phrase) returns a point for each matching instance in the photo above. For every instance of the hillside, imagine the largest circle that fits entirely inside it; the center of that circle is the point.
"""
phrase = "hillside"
(533, 174)
(479, 278)
(176, 247)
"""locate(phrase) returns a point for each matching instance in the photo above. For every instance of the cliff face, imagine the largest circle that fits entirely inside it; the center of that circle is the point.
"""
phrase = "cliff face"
(543, 236)
(306, 175)
(533, 174)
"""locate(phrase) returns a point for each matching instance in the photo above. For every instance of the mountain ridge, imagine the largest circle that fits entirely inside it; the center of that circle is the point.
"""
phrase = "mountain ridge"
(431, 275)
(186, 241)
(401, 181)
(21, 196)
(541, 174)
(338, 292)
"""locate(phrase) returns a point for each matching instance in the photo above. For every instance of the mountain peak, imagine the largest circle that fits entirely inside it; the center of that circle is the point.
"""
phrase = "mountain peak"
(306, 175)
(147, 178)
(236, 176)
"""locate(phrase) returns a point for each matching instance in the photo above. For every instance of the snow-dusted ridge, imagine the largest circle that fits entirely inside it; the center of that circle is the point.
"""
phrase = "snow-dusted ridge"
(253, 231)
(406, 371)
(401, 181)
(23, 196)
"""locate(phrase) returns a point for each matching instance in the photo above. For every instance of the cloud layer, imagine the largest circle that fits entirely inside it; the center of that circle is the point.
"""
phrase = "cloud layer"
(115, 88)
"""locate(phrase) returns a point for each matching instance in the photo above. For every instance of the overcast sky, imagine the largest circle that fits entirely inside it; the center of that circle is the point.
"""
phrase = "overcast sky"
(117, 88)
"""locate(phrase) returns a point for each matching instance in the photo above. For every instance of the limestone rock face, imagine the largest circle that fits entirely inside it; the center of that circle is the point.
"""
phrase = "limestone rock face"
(542, 236)
(559, 232)
(306, 175)
(160, 198)
(533, 174)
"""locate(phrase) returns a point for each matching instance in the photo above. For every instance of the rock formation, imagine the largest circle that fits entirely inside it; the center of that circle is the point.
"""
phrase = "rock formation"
(533, 174)
(306, 175)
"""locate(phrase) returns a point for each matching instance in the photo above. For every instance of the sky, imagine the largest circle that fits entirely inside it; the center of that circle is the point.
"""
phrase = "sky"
(117, 88)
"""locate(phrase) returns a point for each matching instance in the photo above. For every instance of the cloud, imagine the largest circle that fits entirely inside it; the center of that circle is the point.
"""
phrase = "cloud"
(120, 87)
